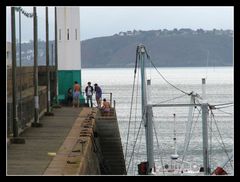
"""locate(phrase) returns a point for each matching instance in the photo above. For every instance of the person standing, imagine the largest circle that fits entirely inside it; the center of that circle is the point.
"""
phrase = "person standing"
(76, 94)
(69, 97)
(89, 93)
(98, 91)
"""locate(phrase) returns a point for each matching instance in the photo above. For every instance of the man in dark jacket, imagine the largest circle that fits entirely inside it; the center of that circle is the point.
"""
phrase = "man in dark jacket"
(89, 93)
(98, 91)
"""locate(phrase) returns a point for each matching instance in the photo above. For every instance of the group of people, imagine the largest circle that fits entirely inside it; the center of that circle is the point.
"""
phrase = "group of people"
(89, 90)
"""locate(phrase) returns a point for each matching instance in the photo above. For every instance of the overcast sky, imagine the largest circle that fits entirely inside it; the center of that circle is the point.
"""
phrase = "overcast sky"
(106, 21)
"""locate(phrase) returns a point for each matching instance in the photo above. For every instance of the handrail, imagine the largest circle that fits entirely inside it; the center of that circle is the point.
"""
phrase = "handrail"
(110, 98)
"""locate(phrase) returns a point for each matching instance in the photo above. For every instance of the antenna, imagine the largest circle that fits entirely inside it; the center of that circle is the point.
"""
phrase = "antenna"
(175, 155)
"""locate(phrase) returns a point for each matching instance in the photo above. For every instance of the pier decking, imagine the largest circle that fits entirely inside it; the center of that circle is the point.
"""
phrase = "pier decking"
(32, 157)
(75, 141)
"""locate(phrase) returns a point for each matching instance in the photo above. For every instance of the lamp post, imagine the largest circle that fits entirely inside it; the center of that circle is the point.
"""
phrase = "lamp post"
(48, 113)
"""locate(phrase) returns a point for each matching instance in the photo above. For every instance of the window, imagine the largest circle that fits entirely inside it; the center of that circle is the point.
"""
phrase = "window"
(59, 34)
(76, 34)
(68, 34)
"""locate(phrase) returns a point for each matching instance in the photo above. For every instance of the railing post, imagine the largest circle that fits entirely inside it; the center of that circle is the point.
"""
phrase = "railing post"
(48, 113)
(14, 88)
(15, 138)
(110, 99)
(36, 96)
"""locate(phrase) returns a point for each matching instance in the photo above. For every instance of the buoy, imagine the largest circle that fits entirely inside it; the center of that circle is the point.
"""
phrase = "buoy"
(219, 171)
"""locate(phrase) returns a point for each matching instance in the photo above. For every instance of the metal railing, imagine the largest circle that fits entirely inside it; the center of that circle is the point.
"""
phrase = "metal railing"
(110, 98)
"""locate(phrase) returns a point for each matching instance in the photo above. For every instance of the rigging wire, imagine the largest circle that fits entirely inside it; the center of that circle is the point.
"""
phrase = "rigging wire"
(187, 142)
(207, 65)
(155, 132)
(130, 116)
(172, 99)
(168, 81)
(134, 134)
(136, 139)
(224, 147)
(225, 112)
(224, 104)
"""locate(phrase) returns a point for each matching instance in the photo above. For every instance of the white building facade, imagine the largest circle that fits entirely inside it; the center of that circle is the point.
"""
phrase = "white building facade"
(69, 50)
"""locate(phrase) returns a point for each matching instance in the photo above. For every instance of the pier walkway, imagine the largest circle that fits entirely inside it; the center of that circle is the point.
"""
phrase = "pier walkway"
(32, 157)
(75, 141)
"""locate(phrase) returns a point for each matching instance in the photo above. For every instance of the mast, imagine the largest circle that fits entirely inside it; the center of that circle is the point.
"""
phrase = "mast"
(146, 111)
(205, 129)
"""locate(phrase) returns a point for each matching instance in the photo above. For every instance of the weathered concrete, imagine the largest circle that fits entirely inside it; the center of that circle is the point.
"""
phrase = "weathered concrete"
(70, 143)
(77, 155)
(110, 144)
(32, 157)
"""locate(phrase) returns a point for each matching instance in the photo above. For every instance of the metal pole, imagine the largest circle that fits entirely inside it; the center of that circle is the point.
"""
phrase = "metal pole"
(149, 129)
(110, 99)
(51, 76)
(52, 55)
(143, 85)
(205, 138)
(56, 56)
(14, 88)
(36, 97)
(204, 89)
(205, 129)
(47, 63)
(175, 155)
(20, 63)
(146, 113)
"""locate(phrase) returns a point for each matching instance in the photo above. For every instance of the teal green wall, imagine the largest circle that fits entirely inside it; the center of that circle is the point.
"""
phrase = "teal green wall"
(66, 79)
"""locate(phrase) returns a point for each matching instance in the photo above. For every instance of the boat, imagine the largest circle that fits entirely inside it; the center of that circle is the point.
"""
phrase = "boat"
(178, 166)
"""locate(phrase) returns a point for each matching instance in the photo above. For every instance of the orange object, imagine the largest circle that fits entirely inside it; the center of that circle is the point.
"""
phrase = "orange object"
(77, 88)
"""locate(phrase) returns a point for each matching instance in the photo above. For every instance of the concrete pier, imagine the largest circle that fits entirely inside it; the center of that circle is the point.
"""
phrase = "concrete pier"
(72, 142)
(32, 157)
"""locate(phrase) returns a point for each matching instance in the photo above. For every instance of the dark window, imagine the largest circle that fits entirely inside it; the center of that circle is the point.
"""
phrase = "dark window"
(76, 34)
(68, 34)
(59, 34)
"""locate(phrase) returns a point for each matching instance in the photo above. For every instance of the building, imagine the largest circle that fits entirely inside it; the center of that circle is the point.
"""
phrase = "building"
(69, 51)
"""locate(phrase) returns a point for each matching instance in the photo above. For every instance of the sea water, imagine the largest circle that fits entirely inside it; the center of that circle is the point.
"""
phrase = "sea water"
(219, 89)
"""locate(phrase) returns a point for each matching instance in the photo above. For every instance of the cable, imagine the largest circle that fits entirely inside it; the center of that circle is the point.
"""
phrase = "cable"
(224, 147)
(29, 15)
(172, 99)
(224, 112)
(136, 140)
(158, 145)
(131, 109)
(168, 81)
(135, 116)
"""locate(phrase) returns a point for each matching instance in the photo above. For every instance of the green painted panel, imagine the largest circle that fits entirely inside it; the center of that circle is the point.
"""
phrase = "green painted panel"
(66, 79)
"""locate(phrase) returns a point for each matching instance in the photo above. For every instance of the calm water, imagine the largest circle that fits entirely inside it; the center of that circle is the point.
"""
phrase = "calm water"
(219, 86)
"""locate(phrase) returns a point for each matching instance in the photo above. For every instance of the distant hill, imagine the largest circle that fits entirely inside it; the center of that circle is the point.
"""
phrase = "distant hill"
(167, 48)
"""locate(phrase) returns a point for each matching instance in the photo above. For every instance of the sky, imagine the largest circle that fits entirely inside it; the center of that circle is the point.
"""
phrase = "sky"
(107, 21)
